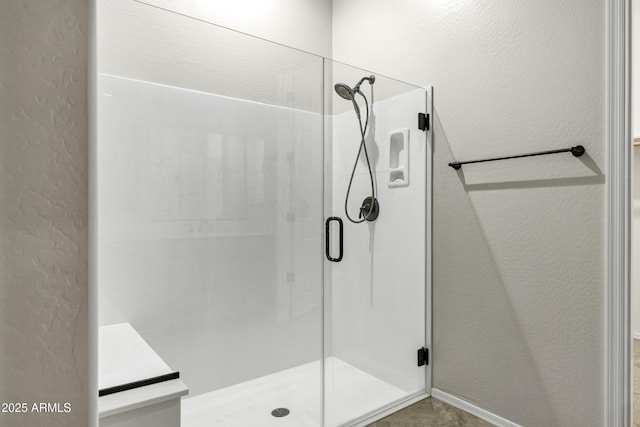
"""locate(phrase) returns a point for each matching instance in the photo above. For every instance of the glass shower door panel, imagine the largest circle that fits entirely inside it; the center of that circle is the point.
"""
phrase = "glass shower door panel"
(375, 296)
(210, 210)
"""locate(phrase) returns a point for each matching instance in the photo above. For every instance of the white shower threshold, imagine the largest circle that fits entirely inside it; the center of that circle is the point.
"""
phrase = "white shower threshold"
(351, 393)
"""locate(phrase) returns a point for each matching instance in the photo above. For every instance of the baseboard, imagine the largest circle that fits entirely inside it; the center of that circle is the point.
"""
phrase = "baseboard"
(472, 409)
(636, 335)
(386, 410)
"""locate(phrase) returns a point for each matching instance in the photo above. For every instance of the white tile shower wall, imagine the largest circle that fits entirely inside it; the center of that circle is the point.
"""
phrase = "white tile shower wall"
(379, 287)
(209, 229)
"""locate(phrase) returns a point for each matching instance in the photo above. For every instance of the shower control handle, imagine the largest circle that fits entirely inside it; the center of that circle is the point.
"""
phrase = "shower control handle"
(327, 229)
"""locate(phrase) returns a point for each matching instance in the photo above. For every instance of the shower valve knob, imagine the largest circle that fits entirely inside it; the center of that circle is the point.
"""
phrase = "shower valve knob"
(369, 212)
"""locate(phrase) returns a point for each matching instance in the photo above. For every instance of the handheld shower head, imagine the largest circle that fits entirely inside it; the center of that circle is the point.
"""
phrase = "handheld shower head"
(345, 91)
(350, 94)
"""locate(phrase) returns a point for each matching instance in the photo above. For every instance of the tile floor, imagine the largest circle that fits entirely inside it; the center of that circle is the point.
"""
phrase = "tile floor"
(431, 412)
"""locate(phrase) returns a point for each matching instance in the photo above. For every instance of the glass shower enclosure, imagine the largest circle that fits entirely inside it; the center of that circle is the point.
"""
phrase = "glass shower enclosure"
(223, 162)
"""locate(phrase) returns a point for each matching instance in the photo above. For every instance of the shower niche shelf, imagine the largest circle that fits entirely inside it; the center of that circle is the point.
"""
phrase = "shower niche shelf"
(398, 143)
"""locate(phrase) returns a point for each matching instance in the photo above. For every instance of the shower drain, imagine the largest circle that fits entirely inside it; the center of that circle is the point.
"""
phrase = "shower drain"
(280, 412)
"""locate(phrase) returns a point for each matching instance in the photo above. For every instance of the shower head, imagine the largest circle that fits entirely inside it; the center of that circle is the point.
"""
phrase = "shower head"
(349, 94)
(345, 91)
(371, 79)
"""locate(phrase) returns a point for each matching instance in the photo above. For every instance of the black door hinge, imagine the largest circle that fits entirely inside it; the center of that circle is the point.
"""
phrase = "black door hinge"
(423, 121)
(423, 356)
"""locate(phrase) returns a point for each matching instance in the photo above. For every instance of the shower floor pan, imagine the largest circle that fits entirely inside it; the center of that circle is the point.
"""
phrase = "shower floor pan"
(350, 394)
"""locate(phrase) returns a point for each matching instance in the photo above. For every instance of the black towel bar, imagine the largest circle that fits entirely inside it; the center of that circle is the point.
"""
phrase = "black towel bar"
(577, 151)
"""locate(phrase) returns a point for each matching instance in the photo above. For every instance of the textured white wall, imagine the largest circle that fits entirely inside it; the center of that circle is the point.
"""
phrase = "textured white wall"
(518, 260)
(142, 42)
(303, 24)
(43, 209)
(635, 242)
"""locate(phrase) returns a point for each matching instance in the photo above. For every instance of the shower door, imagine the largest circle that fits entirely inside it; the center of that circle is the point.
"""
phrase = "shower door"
(375, 271)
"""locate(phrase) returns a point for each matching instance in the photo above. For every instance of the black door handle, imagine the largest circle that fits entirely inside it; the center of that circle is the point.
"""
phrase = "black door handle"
(327, 230)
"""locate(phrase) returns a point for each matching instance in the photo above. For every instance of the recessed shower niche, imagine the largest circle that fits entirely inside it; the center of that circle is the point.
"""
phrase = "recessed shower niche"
(212, 201)
(398, 158)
